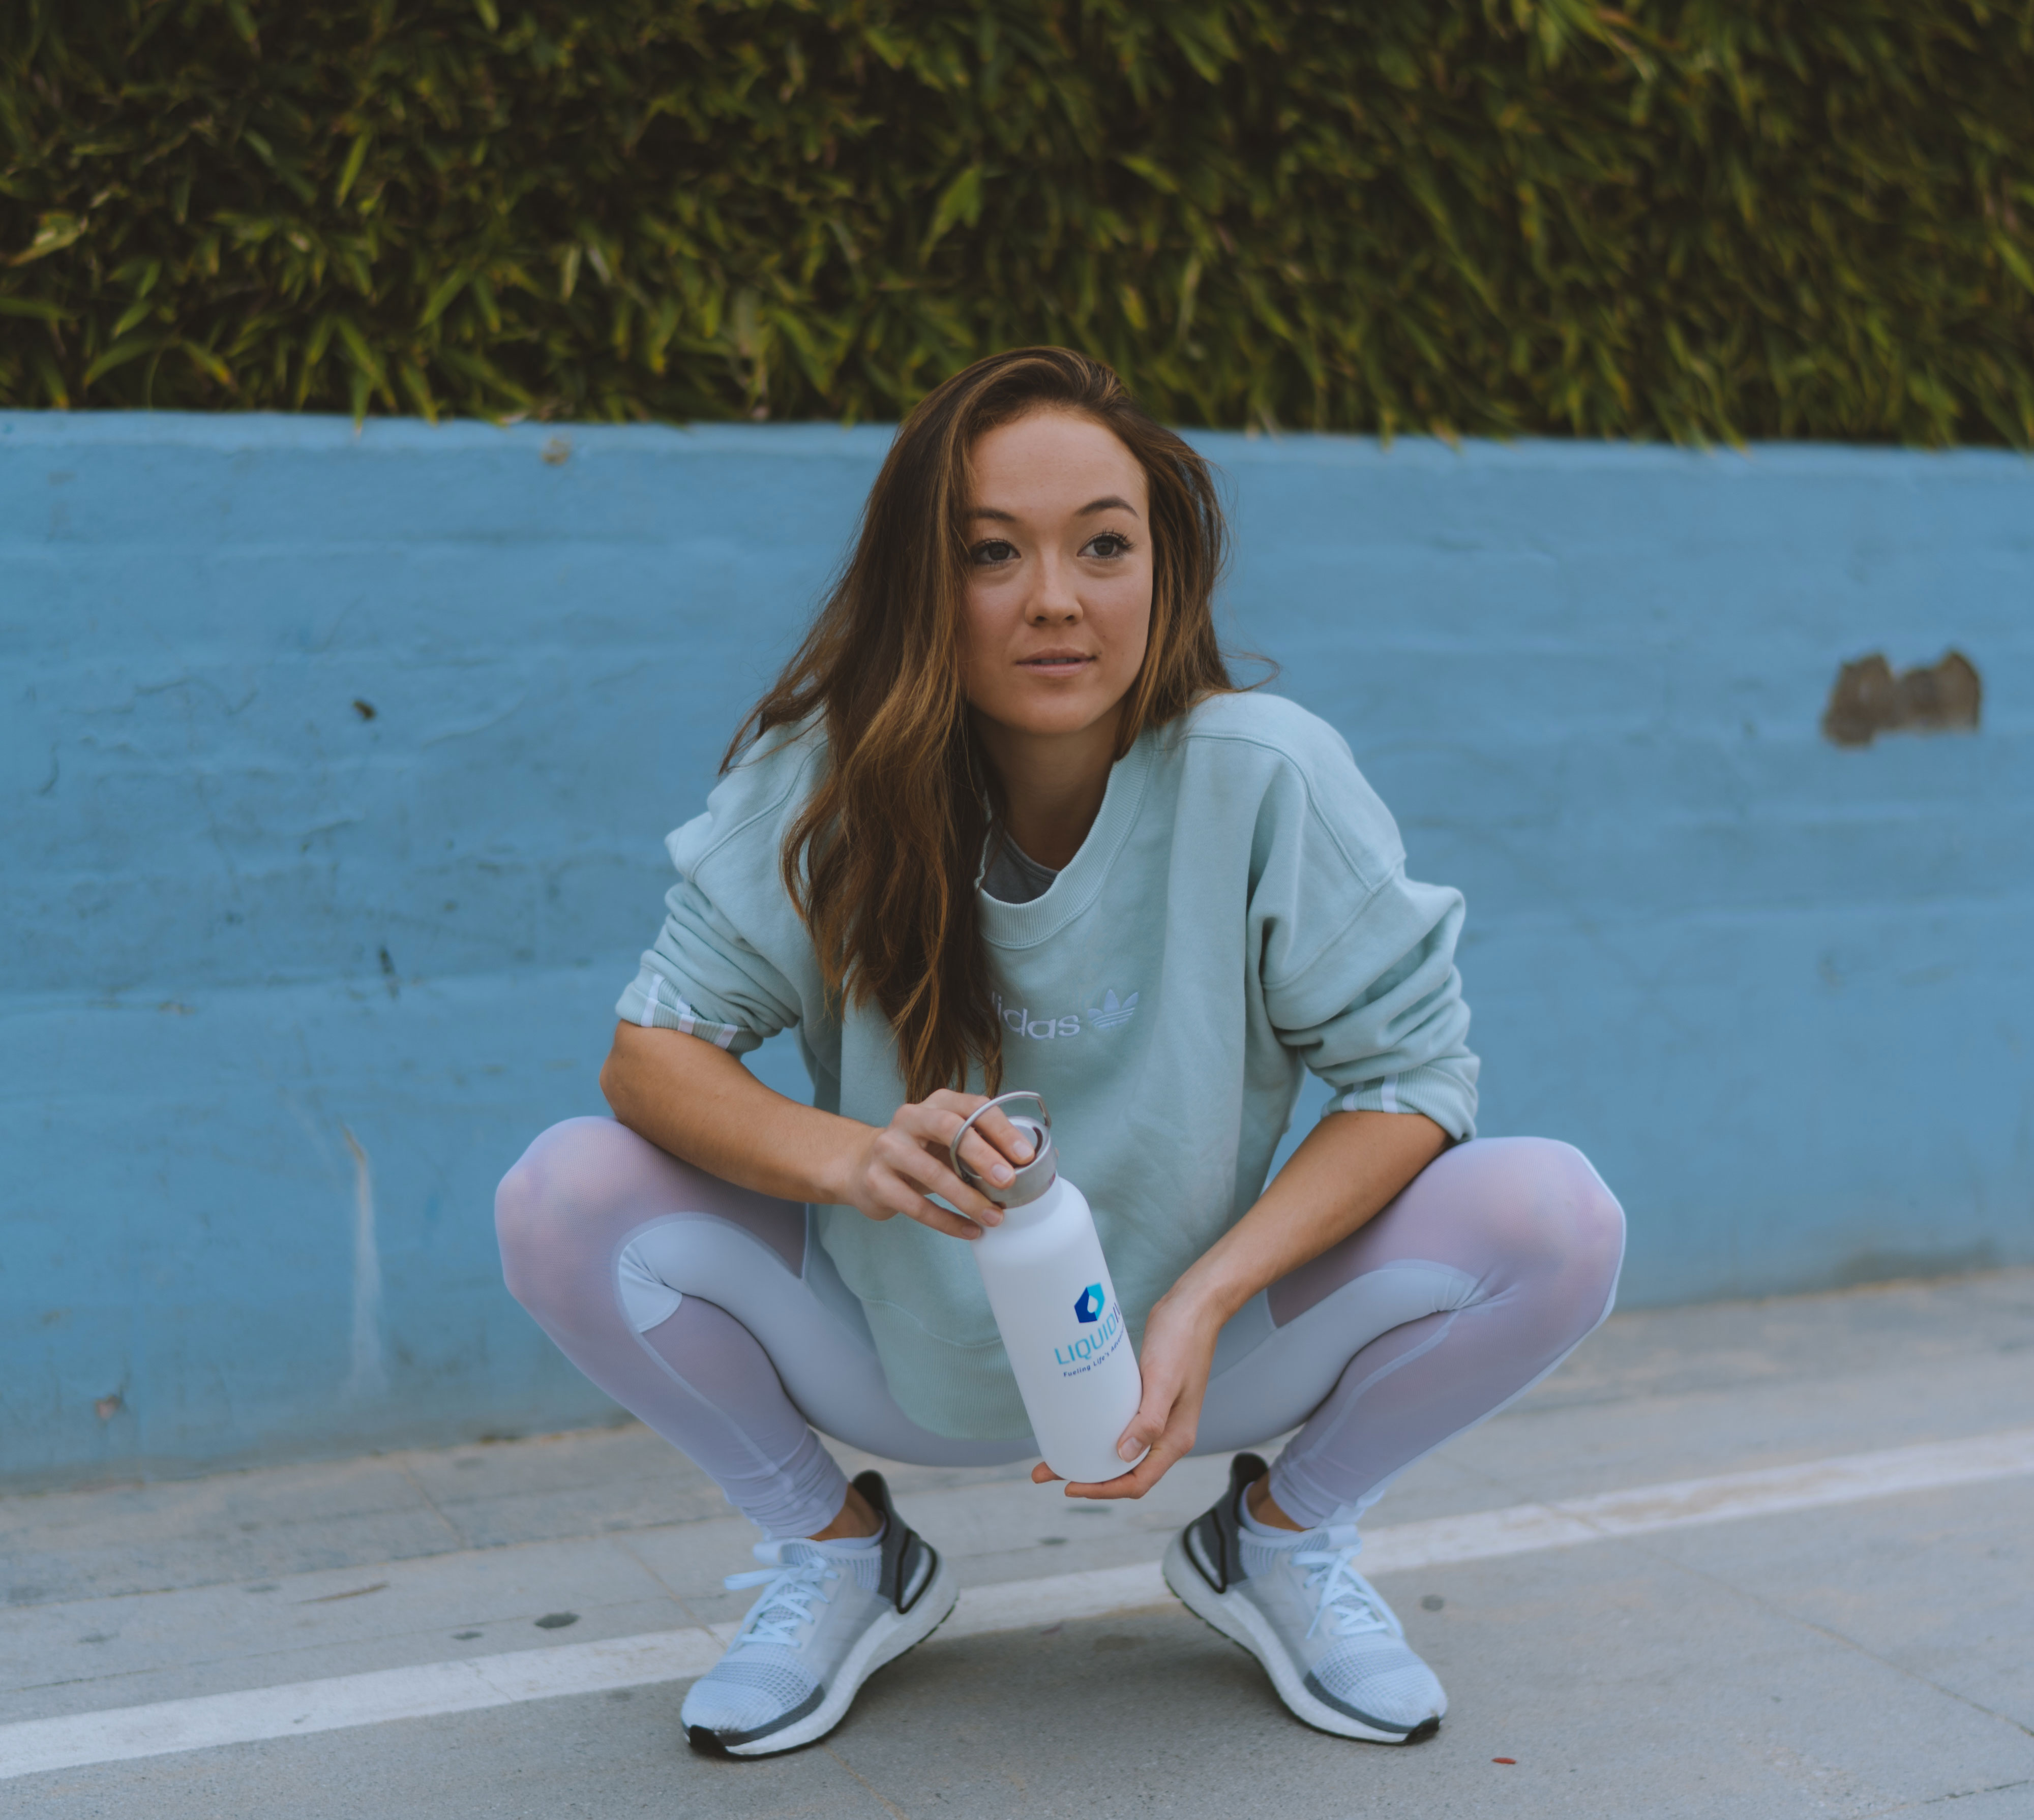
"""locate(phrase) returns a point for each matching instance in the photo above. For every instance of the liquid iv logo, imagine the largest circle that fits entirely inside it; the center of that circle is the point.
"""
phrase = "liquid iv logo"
(1111, 1011)
(1100, 1333)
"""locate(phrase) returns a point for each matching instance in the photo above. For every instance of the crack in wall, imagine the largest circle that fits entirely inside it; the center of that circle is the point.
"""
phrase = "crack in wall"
(369, 1376)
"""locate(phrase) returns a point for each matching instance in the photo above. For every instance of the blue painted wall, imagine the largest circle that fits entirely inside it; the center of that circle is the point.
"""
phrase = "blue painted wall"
(271, 966)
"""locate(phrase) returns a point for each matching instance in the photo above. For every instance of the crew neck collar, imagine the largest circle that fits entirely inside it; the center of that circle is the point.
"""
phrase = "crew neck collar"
(1024, 925)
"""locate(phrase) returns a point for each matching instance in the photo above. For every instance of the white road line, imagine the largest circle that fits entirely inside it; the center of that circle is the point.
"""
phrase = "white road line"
(1686, 1503)
(348, 1700)
(35, 1745)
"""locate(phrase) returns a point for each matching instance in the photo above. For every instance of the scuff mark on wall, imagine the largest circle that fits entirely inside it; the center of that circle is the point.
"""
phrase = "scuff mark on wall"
(1869, 699)
(369, 1376)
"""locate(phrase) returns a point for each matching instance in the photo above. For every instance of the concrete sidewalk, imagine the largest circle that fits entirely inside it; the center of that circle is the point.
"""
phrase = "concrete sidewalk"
(1873, 1656)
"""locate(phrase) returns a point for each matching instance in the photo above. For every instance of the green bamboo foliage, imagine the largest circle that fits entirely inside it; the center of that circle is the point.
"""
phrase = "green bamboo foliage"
(1690, 219)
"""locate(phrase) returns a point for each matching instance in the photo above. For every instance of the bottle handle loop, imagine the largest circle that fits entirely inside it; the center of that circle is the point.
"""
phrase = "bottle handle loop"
(953, 1149)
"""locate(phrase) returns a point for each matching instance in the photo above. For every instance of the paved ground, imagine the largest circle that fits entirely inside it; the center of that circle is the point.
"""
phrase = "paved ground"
(1873, 1657)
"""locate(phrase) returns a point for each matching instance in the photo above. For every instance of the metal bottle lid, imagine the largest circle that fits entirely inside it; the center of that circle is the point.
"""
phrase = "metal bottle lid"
(1032, 1178)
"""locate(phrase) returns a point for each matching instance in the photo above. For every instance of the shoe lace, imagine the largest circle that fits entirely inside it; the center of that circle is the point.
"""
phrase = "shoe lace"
(1347, 1604)
(786, 1607)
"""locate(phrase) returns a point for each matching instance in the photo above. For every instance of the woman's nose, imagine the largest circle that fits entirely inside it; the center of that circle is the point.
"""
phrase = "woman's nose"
(1056, 598)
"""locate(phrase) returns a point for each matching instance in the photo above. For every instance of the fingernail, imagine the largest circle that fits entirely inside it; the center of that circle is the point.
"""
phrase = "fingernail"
(1129, 1451)
(1002, 1172)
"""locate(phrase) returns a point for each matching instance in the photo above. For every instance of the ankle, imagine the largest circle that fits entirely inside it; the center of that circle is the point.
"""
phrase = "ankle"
(1263, 1508)
(856, 1518)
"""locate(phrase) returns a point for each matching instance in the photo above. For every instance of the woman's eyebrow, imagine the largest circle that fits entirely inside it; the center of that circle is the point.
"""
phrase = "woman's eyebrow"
(1110, 502)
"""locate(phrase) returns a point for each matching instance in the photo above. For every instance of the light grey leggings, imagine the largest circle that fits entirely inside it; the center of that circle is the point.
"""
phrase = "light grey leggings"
(712, 1314)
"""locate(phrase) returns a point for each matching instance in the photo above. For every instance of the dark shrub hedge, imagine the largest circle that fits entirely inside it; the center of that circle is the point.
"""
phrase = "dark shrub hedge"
(1690, 218)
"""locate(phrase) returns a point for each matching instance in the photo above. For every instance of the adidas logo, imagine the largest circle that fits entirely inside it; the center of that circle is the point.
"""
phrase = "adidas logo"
(1111, 1011)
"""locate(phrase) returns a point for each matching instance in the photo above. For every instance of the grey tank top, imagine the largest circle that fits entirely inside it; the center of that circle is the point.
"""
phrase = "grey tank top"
(1014, 877)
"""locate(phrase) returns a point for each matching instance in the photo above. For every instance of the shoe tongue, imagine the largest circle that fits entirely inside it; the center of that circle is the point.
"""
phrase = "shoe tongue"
(789, 1554)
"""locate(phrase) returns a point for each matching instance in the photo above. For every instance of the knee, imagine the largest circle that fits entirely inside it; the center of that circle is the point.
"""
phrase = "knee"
(536, 1202)
(1557, 1213)
(524, 1211)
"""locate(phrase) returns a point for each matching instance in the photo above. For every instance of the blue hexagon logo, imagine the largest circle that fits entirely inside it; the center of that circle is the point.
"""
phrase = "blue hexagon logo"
(1088, 1307)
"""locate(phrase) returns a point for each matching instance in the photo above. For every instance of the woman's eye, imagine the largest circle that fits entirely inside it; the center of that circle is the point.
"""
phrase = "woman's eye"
(995, 550)
(1108, 544)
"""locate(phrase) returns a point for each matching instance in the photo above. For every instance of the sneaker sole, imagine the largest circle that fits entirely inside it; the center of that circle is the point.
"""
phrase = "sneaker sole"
(1243, 1624)
(882, 1643)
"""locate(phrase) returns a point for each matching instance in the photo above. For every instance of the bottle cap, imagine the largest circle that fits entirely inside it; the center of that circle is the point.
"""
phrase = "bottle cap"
(1032, 1178)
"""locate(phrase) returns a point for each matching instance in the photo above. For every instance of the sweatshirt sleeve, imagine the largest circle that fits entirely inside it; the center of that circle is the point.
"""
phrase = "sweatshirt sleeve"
(1356, 960)
(712, 972)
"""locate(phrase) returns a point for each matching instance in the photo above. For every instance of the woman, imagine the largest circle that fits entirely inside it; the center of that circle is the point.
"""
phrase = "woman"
(1004, 817)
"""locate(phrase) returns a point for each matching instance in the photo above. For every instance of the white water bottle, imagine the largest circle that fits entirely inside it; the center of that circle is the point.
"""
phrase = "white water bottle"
(1049, 1285)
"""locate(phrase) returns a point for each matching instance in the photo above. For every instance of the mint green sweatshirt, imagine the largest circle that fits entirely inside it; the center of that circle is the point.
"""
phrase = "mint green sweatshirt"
(1239, 912)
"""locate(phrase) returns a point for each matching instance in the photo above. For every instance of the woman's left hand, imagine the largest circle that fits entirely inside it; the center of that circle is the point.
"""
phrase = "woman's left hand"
(1178, 1355)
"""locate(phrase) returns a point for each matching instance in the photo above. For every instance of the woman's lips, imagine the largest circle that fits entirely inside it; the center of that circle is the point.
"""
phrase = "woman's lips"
(1055, 663)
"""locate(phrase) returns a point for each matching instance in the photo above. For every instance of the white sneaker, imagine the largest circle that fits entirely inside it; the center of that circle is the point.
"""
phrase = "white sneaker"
(1335, 1651)
(830, 1616)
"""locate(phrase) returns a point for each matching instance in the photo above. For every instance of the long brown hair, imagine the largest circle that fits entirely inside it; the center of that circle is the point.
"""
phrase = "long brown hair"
(883, 860)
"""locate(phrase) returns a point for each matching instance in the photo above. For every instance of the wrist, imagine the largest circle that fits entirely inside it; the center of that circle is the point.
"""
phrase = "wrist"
(1203, 1299)
(840, 1167)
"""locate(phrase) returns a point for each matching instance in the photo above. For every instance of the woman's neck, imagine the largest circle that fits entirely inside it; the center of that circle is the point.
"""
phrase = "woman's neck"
(1052, 784)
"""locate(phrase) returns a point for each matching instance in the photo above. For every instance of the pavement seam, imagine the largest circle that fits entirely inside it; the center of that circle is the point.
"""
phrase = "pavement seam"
(624, 1544)
(890, 1806)
(431, 1503)
(1953, 1794)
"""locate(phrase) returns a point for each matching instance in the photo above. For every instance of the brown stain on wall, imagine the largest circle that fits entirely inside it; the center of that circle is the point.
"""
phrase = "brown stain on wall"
(1869, 699)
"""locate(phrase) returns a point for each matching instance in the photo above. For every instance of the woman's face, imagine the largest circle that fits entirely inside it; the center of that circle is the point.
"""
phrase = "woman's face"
(1059, 591)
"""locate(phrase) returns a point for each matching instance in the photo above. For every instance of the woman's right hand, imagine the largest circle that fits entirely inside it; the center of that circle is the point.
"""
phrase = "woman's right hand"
(909, 1160)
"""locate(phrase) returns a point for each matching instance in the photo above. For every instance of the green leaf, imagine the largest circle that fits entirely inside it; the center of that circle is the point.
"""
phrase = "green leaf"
(1161, 180)
(356, 156)
(51, 376)
(357, 346)
(207, 362)
(961, 201)
(121, 352)
(419, 392)
(53, 232)
(893, 50)
(436, 305)
(2015, 261)
(300, 186)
